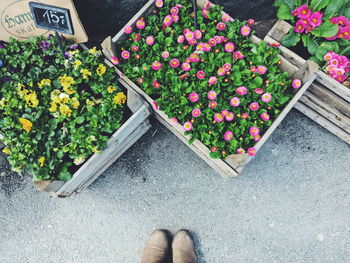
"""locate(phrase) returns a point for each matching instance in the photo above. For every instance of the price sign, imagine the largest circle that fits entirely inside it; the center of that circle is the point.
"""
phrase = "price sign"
(52, 18)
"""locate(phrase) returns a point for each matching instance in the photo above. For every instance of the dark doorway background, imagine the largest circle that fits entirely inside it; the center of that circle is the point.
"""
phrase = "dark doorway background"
(102, 18)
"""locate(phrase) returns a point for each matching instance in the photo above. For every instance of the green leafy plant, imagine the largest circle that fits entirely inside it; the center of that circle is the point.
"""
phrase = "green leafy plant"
(55, 112)
(223, 89)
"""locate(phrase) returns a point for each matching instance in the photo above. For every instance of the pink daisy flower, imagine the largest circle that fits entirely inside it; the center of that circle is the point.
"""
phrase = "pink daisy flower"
(197, 34)
(156, 84)
(228, 136)
(257, 138)
(218, 39)
(238, 55)
(174, 10)
(137, 37)
(265, 117)
(212, 42)
(218, 117)
(174, 120)
(196, 112)
(168, 20)
(193, 97)
(245, 30)
(214, 149)
(140, 80)
(192, 42)
(176, 18)
(254, 131)
(227, 66)
(128, 30)
(221, 72)
(266, 97)
(235, 102)
(205, 13)
(253, 69)
(251, 22)
(186, 66)
(225, 18)
(155, 105)
(135, 48)
(275, 44)
(230, 116)
(212, 95)
(212, 80)
(189, 35)
(296, 83)
(245, 116)
(165, 54)
(195, 58)
(187, 126)
(174, 63)
(251, 151)
(241, 90)
(240, 151)
(140, 24)
(156, 65)
(115, 60)
(224, 113)
(200, 74)
(184, 76)
(261, 69)
(125, 54)
(150, 40)
(229, 47)
(259, 91)
(180, 39)
(206, 47)
(221, 26)
(207, 5)
(254, 106)
(159, 3)
(213, 104)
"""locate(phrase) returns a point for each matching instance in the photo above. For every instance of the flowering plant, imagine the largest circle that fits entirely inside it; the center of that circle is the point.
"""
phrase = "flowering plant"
(323, 27)
(55, 112)
(223, 89)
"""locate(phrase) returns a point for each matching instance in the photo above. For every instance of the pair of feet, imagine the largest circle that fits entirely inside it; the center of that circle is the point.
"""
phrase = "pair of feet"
(158, 248)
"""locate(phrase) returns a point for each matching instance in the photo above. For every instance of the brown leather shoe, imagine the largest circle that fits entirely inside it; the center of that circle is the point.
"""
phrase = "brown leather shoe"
(183, 248)
(157, 248)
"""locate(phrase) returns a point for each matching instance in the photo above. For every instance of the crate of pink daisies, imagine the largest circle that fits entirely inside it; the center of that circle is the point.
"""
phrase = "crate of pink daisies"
(323, 28)
(217, 87)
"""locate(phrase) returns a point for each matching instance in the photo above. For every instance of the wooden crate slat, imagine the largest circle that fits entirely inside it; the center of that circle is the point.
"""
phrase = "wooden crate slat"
(333, 85)
(324, 122)
(97, 161)
(279, 30)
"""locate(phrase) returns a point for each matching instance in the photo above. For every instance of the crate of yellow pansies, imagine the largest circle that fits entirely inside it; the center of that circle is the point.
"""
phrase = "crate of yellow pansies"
(216, 87)
(64, 119)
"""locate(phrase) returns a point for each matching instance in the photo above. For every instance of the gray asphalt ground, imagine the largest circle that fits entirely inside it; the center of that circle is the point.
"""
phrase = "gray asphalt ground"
(291, 204)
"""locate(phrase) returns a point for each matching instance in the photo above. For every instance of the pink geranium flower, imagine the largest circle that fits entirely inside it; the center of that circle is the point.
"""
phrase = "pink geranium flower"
(304, 11)
(264, 116)
(254, 106)
(266, 97)
(150, 40)
(212, 80)
(254, 131)
(196, 112)
(174, 63)
(212, 95)
(299, 27)
(235, 102)
(261, 69)
(316, 19)
(228, 136)
(229, 47)
(241, 90)
(156, 65)
(200, 74)
(296, 83)
(125, 54)
(187, 126)
(212, 104)
(186, 66)
(194, 97)
(140, 24)
(251, 151)
(245, 30)
(218, 117)
(128, 30)
(221, 26)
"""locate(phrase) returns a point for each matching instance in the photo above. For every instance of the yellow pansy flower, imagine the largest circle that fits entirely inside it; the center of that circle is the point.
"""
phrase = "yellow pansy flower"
(6, 151)
(111, 89)
(4, 102)
(120, 98)
(53, 107)
(75, 103)
(77, 64)
(65, 110)
(31, 99)
(41, 161)
(63, 98)
(26, 124)
(44, 82)
(66, 81)
(101, 69)
(93, 51)
(86, 73)
(90, 102)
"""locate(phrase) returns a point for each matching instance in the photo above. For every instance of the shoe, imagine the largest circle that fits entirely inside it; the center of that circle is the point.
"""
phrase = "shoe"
(183, 248)
(157, 248)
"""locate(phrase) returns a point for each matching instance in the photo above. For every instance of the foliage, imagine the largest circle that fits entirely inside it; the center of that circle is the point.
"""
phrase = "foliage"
(55, 112)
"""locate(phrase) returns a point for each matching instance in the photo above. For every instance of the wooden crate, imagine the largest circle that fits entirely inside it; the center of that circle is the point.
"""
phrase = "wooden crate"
(327, 101)
(233, 164)
(120, 141)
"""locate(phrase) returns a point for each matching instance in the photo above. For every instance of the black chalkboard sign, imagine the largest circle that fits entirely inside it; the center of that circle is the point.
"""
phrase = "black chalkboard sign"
(53, 18)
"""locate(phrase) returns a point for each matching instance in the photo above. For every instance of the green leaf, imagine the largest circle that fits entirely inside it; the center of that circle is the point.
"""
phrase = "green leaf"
(333, 8)
(215, 155)
(320, 53)
(284, 12)
(326, 29)
(291, 39)
(310, 44)
(80, 119)
(317, 5)
(346, 51)
(168, 41)
(330, 46)
(65, 176)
